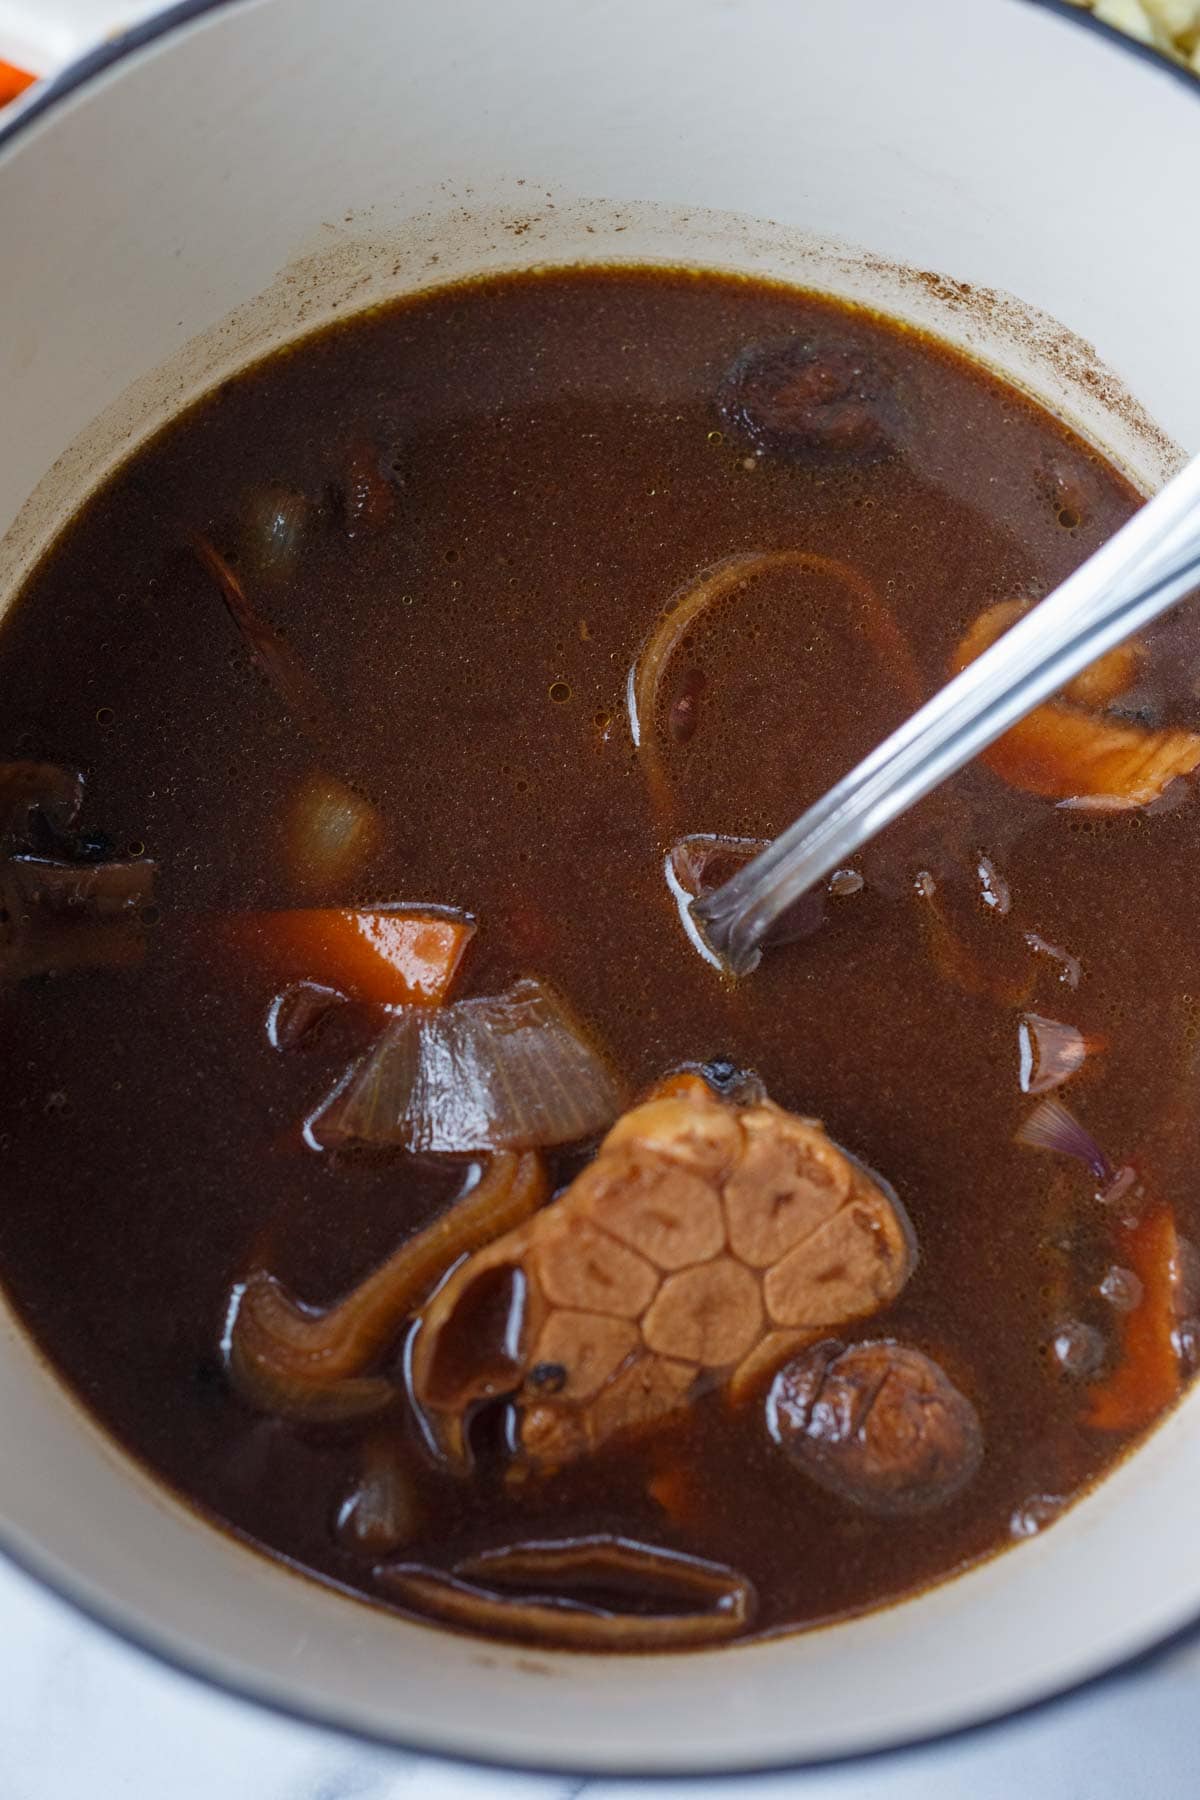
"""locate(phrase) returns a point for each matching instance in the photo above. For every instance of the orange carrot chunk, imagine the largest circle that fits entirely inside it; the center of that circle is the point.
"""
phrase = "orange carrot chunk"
(1147, 1378)
(1071, 752)
(397, 958)
(13, 82)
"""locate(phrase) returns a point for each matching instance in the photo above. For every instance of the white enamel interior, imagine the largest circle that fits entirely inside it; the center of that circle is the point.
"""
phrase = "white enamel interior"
(253, 172)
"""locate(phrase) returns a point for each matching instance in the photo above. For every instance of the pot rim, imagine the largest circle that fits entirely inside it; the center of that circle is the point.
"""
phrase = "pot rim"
(41, 101)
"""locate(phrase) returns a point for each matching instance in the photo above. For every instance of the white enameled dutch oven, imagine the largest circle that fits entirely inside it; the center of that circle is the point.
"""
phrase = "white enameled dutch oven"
(235, 173)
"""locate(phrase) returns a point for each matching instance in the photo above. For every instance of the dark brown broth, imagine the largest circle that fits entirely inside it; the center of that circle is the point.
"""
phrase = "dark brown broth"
(560, 470)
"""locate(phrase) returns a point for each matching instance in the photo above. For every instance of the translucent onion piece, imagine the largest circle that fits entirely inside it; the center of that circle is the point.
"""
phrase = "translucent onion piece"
(381, 1512)
(1050, 1052)
(329, 833)
(1051, 1126)
(506, 1072)
(1070, 969)
(993, 888)
(699, 864)
(716, 584)
(31, 788)
(284, 1356)
(276, 522)
(571, 1593)
(296, 1015)
(1072, 754)
(1035, 1514)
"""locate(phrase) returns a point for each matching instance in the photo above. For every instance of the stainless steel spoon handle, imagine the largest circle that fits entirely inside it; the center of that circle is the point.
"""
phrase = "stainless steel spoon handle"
(1147, 566)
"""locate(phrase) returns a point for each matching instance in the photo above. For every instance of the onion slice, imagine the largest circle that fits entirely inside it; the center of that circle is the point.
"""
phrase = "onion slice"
(699, 864)
(381, 1512)
(1050, 1052)
(572, 1592)
(1052, 1126)
(507, 1071)
(329, 832)
(727, 577)
(307, 1362)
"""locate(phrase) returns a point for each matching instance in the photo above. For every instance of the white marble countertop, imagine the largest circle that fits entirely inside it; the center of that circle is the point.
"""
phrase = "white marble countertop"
(83, 1715)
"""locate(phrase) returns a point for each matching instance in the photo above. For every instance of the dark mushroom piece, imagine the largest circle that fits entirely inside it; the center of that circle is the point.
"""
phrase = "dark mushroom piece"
(879, 1424)
(30, 791)
(821, 402)
(592, 1593)
(70, 909)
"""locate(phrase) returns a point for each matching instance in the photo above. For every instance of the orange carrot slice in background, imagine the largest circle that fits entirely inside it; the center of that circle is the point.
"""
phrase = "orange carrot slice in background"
(1147, 1378)
(13, 82)
(394, 957)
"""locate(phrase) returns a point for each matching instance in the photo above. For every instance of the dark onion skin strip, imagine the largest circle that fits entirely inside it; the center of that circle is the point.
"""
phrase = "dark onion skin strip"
(273, 654)
(291, 1358)
(884, 635)
(463, 1597)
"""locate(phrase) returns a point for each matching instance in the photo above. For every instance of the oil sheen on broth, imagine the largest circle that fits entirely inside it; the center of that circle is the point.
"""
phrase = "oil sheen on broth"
(343, 659)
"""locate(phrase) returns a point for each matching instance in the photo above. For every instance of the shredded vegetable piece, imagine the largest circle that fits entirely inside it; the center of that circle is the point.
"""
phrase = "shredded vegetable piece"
(306, 1361)
(1051, 1126)
(1075, 755)
(1148, 1376)
(1070, 969)
(727, 577)
(574, 1591)
(271, 651)
(392, 956)
(506, 1071)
